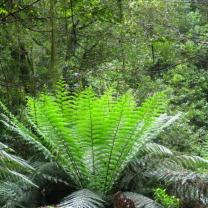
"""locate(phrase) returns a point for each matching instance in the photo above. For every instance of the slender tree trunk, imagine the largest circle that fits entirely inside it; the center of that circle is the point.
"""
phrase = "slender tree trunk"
(74, 31)
(53, 73)
(71, 35)
(67, 53)
(120, 6)
(153, 53)
(122, 58)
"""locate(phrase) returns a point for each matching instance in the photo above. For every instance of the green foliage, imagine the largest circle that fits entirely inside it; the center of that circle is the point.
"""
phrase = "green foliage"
(93, 138)
(166, 200)
(104, 142)
(3, 11)
(83, 198)
(157, 164)
(187, 87)
(14, 177)
(181, 137)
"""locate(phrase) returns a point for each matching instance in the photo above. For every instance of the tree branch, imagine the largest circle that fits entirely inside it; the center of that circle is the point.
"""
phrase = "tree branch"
(19, 10)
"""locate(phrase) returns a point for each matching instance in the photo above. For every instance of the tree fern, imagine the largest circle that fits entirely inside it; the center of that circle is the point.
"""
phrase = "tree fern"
(92, 138)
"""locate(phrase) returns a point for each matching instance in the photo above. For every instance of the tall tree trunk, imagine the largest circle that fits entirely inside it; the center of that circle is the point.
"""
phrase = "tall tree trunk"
(73, 30)
(121, 39)
(53, 72)
(71, 35)
(120, 7)
(67, 32)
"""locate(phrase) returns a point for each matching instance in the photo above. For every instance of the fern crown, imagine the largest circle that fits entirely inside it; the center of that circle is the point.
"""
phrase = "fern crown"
(92, 138)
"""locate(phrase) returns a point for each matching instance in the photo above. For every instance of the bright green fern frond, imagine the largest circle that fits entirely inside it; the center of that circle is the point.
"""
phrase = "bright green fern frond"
(11, 122)
(103, 133)
(91, 137)
(52, 124)
(64, 101)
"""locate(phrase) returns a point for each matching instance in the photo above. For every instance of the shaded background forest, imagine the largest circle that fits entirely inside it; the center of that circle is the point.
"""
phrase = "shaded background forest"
(143, 45)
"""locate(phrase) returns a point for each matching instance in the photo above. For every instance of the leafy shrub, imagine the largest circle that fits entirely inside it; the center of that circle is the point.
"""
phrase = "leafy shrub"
(166, 200)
